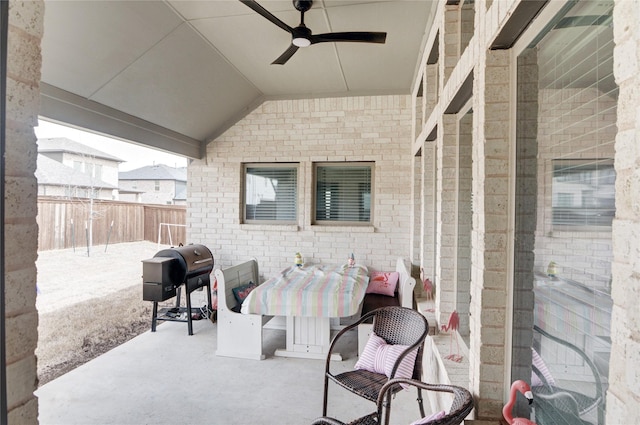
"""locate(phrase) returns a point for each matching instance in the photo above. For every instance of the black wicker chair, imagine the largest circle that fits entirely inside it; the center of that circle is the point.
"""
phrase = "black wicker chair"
(555, 405)
(460, 407)
(396, 325)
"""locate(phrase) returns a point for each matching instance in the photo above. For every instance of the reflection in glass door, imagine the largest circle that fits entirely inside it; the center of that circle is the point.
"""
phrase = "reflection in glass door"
(566, 126)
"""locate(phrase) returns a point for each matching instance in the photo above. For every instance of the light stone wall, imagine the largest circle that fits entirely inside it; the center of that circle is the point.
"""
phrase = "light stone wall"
(376, 129)
(623, 397)
(21, 317)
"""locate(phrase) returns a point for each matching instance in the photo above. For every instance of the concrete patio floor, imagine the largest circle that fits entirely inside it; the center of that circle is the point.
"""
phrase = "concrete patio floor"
(169, 377)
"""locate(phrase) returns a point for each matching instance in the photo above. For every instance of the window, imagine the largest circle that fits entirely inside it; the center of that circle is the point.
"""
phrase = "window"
(564, 190)
(583, 193)
(343, 193)
(157, 185)
(270, 193)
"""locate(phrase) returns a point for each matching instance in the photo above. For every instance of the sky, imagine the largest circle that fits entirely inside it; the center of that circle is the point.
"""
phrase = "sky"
(135, 156)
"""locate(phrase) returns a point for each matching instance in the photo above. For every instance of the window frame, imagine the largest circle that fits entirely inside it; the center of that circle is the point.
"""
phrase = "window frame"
(243, 191)
(360, 164)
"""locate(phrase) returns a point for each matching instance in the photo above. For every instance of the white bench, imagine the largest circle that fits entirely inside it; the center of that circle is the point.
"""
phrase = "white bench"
(239, 335)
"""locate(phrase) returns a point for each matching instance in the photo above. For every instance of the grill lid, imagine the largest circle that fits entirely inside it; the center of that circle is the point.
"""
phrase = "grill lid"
(191, 260)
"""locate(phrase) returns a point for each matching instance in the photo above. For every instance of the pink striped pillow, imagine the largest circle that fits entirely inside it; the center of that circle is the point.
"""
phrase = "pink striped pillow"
(379, 357)
(537, 361)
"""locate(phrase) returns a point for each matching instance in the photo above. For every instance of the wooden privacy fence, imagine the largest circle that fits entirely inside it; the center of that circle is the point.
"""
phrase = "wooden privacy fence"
(65, 223)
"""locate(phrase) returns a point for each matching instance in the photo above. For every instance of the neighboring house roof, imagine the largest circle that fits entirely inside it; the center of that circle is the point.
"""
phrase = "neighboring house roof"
(155, 172)
(62, 144)
(54, 173)
(130, 191)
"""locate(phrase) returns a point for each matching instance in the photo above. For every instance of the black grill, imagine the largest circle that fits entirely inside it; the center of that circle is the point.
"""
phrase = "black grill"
(165, 273)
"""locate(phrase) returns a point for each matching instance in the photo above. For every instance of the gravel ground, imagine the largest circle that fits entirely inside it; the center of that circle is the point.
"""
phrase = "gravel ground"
(90, 304)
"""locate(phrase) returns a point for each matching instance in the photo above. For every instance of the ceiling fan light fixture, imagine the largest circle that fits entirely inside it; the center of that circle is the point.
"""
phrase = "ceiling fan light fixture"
(301, 42)
(301, 36)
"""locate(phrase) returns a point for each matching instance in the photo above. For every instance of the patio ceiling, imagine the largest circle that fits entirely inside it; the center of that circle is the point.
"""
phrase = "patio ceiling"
(174, 75)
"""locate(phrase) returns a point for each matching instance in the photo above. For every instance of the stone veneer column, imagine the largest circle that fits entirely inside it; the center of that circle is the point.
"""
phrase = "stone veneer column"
(489, 239)
(623, 396)
(21, 230)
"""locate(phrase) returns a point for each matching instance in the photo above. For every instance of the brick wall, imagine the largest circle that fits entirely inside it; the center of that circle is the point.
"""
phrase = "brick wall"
(376, 129)
(21, 317)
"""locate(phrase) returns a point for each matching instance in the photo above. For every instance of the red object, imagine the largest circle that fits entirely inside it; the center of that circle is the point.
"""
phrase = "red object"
(453, 325)
(427, 285)
(522, 387)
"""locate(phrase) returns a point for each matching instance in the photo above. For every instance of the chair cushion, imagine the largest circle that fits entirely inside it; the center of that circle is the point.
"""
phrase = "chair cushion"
(383, 283)
(438, 415)
(537, 361)
(380, 357)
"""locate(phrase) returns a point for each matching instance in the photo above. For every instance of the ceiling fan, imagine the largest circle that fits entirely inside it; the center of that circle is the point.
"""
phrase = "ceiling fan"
(301, 36)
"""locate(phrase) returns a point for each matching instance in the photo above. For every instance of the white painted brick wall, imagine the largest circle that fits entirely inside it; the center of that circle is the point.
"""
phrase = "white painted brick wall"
(376, 129)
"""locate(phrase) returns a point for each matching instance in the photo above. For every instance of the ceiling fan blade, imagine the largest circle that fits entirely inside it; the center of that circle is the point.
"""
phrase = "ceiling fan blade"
(265, 13)
(362, 37)
(285, 56)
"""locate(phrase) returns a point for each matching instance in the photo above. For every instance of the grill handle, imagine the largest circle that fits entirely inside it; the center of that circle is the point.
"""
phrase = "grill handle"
(204, 260)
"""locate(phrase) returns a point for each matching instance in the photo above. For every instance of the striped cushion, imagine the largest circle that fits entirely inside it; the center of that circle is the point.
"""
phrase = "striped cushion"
(439, 415)
(537, 361)
(379, 357)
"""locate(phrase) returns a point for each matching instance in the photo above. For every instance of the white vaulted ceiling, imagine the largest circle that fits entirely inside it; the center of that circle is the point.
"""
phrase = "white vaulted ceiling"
(176, 74)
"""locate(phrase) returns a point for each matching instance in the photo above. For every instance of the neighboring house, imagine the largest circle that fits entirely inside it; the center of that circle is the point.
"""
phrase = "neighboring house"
(56, 179)
(92, 162)
(155, 184)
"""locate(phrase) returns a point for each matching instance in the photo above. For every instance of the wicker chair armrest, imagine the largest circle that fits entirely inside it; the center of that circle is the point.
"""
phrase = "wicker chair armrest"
(461, 406)
(587, 360)
(342, 332)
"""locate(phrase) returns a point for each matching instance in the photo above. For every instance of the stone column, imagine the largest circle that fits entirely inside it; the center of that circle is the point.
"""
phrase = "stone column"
(623, 396)
(21, 230)
(489, 238)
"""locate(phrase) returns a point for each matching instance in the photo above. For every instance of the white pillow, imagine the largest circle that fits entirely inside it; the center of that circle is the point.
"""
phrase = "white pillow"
(379, 357)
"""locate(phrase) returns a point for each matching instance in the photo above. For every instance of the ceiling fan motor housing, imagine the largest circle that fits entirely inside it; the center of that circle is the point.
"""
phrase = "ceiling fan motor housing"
(302, 5)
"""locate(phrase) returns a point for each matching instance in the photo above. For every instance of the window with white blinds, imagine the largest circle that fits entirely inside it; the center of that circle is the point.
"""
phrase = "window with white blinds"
(270, 193)
(343, 193)
(583, 193)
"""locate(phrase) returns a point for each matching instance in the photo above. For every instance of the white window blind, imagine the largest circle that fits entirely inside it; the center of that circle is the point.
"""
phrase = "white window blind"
(343, 193)
(270, 193)
(583, 193)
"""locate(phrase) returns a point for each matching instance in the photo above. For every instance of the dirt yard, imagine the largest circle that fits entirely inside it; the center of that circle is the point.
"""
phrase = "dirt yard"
(90, 304)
